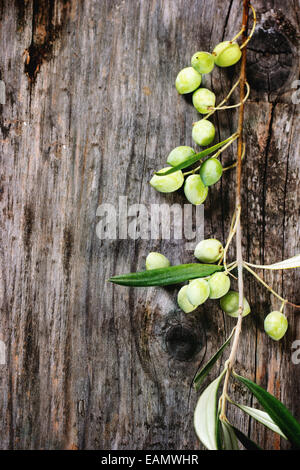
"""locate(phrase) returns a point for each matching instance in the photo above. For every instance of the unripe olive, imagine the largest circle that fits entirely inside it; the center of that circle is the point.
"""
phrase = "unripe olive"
(227, 53)
(203, 99)
(209, 250)
(211, 171)
(203, 132)
(184, 302)
(180, 155)
(230, 304)
(197, 291)
(168, 183)
(276, 325)
(194, 190)
(219, 285)
(187, 80)
(156, 260)
(203, 62)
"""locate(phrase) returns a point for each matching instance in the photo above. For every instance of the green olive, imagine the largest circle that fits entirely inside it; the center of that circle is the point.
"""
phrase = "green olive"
(156, 260)
(180, 155)
(227, 53)
(211, 171)
(183, 301)
(219, 284)
(230, 304)
(194, 190)
(203, 99)
(197, 291)
(203, 62)
(168, 183)
(276, 325)
(209, 250)
(203, 132)
(187, 80)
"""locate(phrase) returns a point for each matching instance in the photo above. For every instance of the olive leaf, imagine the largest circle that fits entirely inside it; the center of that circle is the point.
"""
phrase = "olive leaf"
(193, 158)
(245, 440)
(262, 417)
(289, 263)
(276, 410)
(205, 415)
(229, 438)
(200, 376)
(166, 276)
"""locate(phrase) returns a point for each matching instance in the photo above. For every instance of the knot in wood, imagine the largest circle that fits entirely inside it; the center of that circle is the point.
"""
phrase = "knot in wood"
(269, 59)
(182, 343)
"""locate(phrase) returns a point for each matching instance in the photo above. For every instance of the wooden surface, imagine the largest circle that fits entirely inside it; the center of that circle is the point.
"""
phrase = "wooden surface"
(90, 111)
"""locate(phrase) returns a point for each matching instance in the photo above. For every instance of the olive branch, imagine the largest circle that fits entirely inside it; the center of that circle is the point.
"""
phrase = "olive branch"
(211, 277)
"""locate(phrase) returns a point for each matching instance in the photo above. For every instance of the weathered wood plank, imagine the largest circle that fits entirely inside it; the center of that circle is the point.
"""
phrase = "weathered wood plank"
(90, 111)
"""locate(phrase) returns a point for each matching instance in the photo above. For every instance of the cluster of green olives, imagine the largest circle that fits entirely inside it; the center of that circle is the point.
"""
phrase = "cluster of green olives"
(216, 286)
(199, 290)
(188, 80)
(196, 185)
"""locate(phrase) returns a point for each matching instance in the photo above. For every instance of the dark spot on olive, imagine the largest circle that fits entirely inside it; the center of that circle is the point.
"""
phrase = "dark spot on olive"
(182, 343)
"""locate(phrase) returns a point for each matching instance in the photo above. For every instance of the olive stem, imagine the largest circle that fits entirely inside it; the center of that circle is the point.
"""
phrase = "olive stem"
(232, 356)
(232, 232)
(263, 282)
(224, 100)
(282, 307)
(235, 164)
(252, 29)
(284, 301)
(238, 34)
(219, 107)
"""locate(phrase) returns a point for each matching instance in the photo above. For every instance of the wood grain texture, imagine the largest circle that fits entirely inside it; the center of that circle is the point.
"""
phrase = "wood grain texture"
(90, 111)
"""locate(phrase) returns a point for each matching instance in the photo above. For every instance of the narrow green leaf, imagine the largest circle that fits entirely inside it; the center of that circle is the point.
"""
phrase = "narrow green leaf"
(194, 158)
(276, 410)
(200, 376)
(205, 416)
(166, 276)
(229, 438)
(247, 443)
(262, 417)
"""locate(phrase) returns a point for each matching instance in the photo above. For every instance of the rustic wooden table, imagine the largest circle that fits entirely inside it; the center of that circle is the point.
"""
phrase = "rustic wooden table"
(91, 110)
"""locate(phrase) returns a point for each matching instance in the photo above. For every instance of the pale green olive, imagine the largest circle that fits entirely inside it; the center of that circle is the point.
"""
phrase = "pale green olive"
(209, 250)
(230, 304)
(227, 53)
(197, 291)
(156, 260)
(211, 171)
(276, 325)
(187, 80)
(203, 99)
(194, 190)
(219, 284)
(184, 302)
(203, 62)
(168, 183)
(203, 132)
(180, 155)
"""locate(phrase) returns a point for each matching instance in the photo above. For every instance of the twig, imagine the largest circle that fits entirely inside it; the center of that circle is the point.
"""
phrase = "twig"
(233, 352)
(285, 301)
